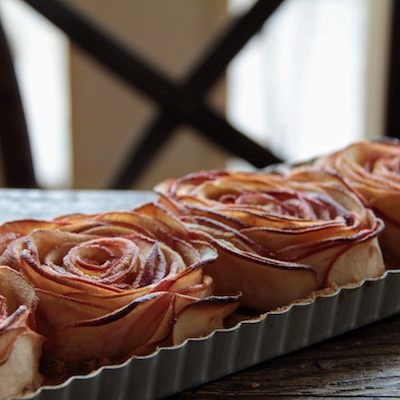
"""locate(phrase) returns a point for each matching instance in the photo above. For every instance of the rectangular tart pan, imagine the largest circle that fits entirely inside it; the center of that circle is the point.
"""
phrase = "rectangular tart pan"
(197, 361)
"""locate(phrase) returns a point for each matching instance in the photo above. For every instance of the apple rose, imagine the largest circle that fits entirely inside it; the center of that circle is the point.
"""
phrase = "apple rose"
(280, 238)
(117, 284)
(20, 347)
(12, 230)
(373, 170)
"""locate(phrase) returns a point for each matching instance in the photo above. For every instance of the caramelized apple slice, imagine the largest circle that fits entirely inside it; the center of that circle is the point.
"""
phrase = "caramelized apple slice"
(202, 317)
(263, 286)
(85, 345)
(19, 372)
(15, 229)
(362, 261)
(20, 347)
(50, 306)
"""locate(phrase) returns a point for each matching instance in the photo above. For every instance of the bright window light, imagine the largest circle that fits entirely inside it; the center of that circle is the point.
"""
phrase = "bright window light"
(40, 55)
(301, 85)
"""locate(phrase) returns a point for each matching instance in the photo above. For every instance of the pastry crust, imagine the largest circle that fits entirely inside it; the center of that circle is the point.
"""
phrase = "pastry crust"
(372, 169)
(280, 238)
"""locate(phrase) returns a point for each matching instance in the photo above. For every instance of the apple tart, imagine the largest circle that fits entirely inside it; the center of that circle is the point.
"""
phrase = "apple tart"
(83, 291)
(373, 170)
(115, 285)
(279, 238)
(20, 346)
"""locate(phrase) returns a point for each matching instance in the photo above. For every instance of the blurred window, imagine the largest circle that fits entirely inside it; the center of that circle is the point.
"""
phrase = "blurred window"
(312, 80)
(40, 55)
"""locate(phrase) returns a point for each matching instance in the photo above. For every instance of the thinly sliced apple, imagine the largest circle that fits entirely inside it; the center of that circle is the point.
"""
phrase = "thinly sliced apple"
(16, 290)
(12, 230)
(359, 262)
(201, 290)
(20, 347)
(389, 241)
(19, 373)
(203, 317)
(87, 344)
(263, 286)
(56, 311)
(185, 279)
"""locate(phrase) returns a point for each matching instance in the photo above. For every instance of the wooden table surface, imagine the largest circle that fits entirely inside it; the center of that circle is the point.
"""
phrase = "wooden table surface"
(362, 364)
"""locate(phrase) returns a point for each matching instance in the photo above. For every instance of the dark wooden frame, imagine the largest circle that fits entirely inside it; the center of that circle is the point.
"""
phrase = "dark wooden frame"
(16, 155)
(392, 118)
(179, 102)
